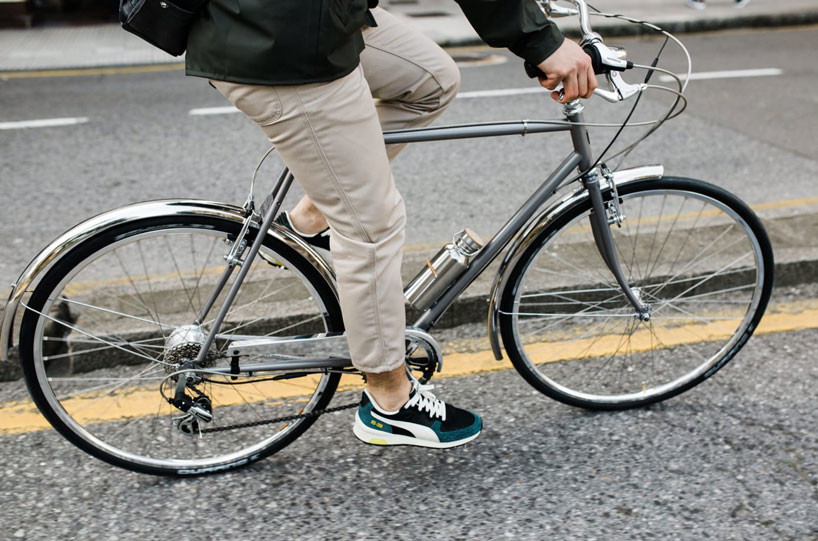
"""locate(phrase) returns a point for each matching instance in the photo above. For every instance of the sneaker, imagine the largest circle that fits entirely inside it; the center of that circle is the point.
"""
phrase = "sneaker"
(318, 241)
(695, 4)
(424, 421)
(741, 3)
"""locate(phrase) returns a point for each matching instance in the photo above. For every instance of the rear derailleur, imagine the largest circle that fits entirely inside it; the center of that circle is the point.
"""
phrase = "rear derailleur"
(197, 410)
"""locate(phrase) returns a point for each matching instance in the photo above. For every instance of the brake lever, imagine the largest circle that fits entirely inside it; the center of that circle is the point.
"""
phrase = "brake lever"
(619, 89)
(611, 61)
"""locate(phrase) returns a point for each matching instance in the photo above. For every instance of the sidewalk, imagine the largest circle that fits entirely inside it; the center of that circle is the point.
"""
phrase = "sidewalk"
(104, 45)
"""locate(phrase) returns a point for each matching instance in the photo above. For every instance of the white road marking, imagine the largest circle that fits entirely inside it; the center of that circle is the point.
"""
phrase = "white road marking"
(44, 123)
(734, 74)
(205, 111)
(502, 92)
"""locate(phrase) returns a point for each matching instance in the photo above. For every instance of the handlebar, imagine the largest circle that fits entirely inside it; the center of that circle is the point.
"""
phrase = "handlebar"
(554, 11)
(606, 60)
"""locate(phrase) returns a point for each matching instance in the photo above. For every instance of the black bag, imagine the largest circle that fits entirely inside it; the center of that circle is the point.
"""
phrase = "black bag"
(163, 23)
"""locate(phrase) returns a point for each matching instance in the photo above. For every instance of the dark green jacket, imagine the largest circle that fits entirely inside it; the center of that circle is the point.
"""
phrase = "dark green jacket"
(281, 42)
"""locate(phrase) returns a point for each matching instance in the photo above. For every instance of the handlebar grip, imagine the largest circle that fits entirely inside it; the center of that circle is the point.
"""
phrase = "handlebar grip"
(533, 71)
(596, 61)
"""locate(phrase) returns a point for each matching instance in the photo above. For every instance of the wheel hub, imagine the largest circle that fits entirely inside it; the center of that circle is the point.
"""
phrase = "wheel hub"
(183, 346)
(643, 316)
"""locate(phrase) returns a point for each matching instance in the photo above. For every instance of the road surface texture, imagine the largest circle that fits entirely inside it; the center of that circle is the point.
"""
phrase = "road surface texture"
(735, 458)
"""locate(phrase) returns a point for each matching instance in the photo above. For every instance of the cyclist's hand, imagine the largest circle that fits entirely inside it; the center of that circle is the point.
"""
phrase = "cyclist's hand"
(570, 66)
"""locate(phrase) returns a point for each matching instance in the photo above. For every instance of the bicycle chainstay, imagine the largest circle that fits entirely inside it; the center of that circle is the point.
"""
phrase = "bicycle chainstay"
(308, 415)
(427, 374)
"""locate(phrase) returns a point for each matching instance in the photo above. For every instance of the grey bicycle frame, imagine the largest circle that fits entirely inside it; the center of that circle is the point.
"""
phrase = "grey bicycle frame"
(581, 159)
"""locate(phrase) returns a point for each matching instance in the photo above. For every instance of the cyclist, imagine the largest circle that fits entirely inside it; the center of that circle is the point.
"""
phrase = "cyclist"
(306, 73)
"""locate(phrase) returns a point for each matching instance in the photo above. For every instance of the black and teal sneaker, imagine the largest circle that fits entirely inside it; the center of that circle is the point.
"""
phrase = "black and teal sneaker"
(318, 241)
(424, 421)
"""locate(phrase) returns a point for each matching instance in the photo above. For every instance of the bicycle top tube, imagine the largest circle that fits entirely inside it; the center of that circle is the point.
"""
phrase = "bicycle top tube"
(474, 131)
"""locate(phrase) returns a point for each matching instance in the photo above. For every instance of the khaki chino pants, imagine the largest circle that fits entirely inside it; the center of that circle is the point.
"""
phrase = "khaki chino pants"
(330, 136)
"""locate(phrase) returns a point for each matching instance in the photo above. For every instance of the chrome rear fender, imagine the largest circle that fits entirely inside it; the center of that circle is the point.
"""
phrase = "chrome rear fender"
(55, 251)
(532, 230)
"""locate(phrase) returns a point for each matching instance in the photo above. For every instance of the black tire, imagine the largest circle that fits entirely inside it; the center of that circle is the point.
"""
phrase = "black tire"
(84, 295)
(704, 263)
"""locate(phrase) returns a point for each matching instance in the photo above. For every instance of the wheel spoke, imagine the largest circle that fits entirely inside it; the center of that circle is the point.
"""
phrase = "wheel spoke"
(100, 329)
(688, 257)
(96, 338)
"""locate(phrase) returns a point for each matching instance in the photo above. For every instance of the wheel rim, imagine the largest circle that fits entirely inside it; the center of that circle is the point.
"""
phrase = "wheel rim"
(121, 316)
(689, 255)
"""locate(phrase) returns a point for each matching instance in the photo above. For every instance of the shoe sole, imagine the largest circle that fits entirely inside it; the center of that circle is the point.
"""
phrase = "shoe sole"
(377, 437)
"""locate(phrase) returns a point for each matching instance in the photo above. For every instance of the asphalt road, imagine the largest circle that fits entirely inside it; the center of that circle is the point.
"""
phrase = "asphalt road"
(736, 458)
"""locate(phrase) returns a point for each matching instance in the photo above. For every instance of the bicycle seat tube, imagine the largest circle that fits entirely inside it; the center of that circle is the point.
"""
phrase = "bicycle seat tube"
(599, 217)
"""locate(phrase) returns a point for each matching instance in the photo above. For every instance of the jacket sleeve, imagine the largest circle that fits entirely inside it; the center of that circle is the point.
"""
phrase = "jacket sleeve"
(519, 25)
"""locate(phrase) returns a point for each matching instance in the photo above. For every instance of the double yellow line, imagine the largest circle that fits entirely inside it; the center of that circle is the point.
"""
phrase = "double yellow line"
(95, 407)
(84, 72)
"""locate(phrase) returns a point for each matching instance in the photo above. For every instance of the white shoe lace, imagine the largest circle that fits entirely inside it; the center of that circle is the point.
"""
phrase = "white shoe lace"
(423, 399)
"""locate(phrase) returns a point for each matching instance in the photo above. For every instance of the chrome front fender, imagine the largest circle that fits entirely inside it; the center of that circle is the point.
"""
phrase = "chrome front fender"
(50, 255)
(530, 232)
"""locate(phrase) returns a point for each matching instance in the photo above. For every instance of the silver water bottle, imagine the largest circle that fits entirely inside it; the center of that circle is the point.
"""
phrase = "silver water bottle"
(441, 271)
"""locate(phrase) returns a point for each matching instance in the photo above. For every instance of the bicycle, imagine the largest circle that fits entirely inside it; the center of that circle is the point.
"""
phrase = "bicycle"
(629, 290)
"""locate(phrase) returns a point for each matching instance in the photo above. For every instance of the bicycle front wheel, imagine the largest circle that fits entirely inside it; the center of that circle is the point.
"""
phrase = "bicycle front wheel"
(110, 324)
(694, 253)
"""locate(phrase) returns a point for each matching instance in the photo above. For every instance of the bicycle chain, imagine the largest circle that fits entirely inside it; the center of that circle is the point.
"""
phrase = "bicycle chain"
(308, 415)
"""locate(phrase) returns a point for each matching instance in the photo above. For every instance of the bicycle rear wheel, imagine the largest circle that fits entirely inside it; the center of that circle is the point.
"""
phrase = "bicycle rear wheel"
(97, 333)
(697, 255)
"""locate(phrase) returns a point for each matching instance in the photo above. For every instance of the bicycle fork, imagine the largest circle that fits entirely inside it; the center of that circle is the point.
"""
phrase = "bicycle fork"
(600, 223)
(601, 227)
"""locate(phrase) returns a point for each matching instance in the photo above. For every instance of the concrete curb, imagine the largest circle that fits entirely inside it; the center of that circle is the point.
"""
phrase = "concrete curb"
(474, 309)
(471, 309)
(796, 264)
(771, 20)
(616, 28)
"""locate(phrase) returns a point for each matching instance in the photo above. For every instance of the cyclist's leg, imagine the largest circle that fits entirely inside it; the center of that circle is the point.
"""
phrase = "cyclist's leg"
(413, 81)
(411, 77)
(330, 137)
